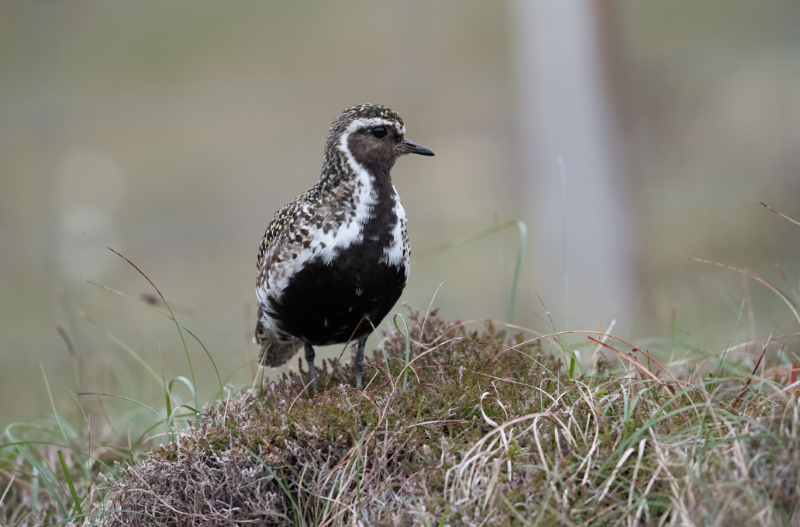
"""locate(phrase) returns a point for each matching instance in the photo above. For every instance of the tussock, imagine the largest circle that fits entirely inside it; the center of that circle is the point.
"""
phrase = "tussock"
(486, 433)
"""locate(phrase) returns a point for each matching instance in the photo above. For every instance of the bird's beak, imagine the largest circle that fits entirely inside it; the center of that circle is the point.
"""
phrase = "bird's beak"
(410, 147)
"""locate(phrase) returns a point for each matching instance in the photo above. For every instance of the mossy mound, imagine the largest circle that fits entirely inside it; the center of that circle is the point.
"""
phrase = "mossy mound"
(484, 432)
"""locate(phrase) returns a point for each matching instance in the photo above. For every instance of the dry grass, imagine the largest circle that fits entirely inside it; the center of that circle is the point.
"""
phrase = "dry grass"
(484, 434)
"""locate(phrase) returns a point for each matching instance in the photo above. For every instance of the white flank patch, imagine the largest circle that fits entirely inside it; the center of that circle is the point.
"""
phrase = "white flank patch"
(394, 254)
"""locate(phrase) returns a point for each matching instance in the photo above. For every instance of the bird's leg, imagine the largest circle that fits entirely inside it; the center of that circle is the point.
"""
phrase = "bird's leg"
(311, 368)
(359, 363)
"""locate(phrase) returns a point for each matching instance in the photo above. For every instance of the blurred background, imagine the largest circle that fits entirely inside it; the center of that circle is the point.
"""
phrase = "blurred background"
(623, 133)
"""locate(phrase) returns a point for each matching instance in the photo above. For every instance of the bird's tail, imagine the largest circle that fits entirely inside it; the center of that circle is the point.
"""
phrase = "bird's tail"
(274, 351)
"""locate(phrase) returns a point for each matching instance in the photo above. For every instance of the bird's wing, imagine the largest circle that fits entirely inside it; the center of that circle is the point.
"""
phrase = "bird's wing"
(285, 231)
(278, 223)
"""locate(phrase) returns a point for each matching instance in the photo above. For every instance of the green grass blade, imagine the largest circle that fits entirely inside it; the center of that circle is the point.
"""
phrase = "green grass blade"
(167, 400)
(446, 514)
(124, 399)
(140, 440)
(733, 336)
(175, 410)
(523, 240)
(186, 349)
(295, 507)
(385, 357)
(76, 337)
(69, 482)
(125, 348)
(53, 404)
(148, 306)
(39, 469)
(66, 447)
(221, 391)
(185, 381)
(564, 239)
(172, 315)
(565, 348)
(34, 490)
(408, 348)
(469, 238)
(239, 368)
(50, 486)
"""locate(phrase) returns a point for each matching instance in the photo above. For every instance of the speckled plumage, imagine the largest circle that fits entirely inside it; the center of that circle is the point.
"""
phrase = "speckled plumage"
(335, 260)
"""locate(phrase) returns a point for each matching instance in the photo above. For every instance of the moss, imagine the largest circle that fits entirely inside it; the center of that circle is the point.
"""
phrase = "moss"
(218, 443)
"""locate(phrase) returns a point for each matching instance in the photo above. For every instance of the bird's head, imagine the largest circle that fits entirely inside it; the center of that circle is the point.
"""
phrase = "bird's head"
(373, 136)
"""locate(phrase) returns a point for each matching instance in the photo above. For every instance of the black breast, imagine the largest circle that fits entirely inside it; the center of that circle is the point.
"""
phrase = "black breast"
(324, 303)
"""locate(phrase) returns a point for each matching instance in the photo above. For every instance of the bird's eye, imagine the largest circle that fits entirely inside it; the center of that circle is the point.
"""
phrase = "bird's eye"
(379, 131)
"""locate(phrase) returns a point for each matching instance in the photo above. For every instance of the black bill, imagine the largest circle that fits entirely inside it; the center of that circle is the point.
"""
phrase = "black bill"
(410, 147)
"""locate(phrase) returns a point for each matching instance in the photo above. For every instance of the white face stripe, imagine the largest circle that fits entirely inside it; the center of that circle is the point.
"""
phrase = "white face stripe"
(372, 122)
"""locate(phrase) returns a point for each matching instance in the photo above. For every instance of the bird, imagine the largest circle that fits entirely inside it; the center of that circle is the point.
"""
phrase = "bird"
(334, 261)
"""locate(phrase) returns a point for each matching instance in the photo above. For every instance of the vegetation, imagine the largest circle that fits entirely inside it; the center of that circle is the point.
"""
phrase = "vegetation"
(458, 424)
(482, 432)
